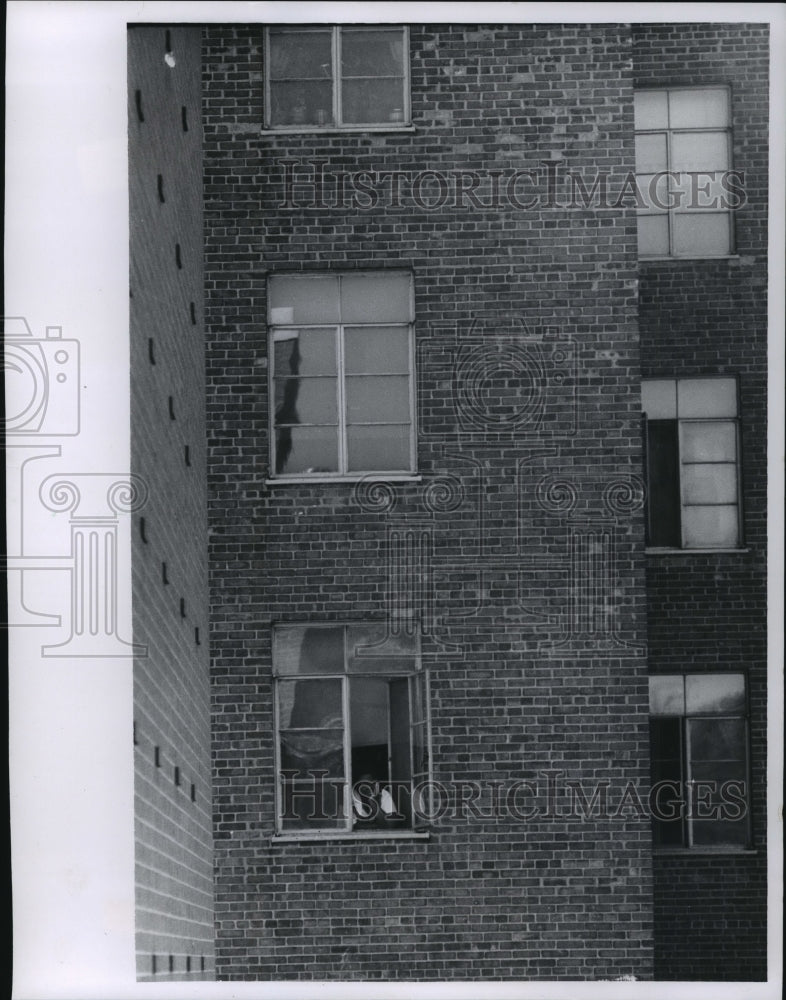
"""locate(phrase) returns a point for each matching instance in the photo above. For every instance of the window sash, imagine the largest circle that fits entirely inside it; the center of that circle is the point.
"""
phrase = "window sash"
(344, 424)
(689, 821)
(672, 215)
(336, 81)
(666, 504)
(418, 728)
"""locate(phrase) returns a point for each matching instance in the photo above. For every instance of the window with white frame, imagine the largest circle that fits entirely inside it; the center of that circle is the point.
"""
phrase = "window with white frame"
(341, 76)
(342, 386)
(699, 760)
(351, 730)
(683, 162)
(692, 463)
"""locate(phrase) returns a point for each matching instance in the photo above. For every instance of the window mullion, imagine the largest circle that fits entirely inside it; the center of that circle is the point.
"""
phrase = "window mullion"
(669, 211)
(389, 737)
(412, 726)
(688, 781)
(277, 761)
(338, 110)
(348, 776)
(341, 388)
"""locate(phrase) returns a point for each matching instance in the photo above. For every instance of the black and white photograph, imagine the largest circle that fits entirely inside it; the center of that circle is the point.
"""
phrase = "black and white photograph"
(394, 440)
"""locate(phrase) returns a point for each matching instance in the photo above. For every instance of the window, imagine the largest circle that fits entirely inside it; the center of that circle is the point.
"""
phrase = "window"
(336, 77)
(352, 729)
(683, 158)
(692, 456)
(699, 760)
(342, 391)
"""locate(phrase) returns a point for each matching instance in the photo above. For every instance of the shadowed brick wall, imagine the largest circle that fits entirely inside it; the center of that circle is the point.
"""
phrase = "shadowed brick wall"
(174, 876)
(708, 611)
(534, 674)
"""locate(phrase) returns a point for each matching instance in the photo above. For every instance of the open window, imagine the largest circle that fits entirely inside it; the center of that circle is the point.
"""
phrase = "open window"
(699, 760)
(352, 730)
(692, 458)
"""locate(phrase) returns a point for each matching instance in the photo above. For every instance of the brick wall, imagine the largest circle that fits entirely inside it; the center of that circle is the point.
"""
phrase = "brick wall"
(531, 669)
(708, 612)
(174, 883)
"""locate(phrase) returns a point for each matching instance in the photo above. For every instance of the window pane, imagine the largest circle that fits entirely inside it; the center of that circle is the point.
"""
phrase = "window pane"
(377, 398)
(304, 352)
(653, 190)
(312, 300)
(419, 699)
(300, 650)
(312, 704)
(709, 484)
(718, 803)
(379, 447)
(650, 110)
(707, 397)
(400, 749)
(306, 449)
(313, 804)
(667, 695)
(372, 101)
(309, 751)
(720, 833)
(699, 151)
(659, 398)
(667, 781)
(375, 298)
(663, 484)
(306, 401)
(698, 108)
(306, 103)
(300, 55)
(715, 740)
(372, 52)
(704, 192)
(376, 349)
(373, 648)
(651, 153)
(368, 712)
(719, 694)
(709, 442)
(710, 527)
(698, 234)
(653, 235)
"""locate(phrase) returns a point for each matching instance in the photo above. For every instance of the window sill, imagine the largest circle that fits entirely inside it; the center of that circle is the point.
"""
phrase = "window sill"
(336, 130)
(687, 852)
(694, 552)
(366, 477)
(311, 838)
(682, 260)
